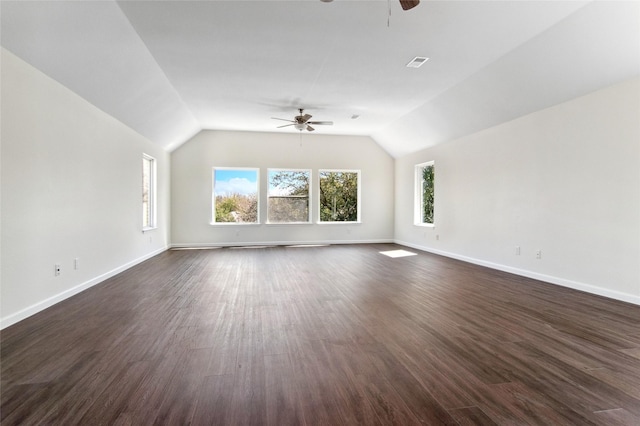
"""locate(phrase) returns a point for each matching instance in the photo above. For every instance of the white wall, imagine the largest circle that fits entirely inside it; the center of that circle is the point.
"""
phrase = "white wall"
(191, 186)
(71, 188)
(564, 180)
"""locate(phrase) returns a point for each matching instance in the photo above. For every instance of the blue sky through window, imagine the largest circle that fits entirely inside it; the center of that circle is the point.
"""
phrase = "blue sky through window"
(235, 181)
(289, 183)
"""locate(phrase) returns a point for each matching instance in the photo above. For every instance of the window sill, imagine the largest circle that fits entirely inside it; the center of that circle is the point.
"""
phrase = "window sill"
(287, 223)
(149, 228)
(425, 225)
(340, 223)
(233, 223)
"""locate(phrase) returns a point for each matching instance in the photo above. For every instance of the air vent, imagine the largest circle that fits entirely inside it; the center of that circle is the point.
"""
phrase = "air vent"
(417, 62)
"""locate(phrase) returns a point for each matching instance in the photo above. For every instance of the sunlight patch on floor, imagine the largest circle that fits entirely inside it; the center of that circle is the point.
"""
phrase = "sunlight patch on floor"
(398, 253)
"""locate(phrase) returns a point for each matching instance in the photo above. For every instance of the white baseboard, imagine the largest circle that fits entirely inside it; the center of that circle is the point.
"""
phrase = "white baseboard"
(40, 306)
(279, 243)
(588, 288)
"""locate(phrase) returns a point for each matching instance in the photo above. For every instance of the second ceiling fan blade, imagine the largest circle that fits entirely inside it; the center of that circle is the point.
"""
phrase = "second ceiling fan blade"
(282, 119)
(285, 125)
(309, 128)
(409, 4)
(321, 123)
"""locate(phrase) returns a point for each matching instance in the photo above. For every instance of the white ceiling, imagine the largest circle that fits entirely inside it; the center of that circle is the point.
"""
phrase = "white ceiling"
(169, 69)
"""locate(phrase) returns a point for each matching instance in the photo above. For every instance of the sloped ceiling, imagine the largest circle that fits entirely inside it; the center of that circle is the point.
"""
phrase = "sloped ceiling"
(169, 69)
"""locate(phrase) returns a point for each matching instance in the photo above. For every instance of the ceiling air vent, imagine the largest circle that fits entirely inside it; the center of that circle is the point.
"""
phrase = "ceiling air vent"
(417, 62)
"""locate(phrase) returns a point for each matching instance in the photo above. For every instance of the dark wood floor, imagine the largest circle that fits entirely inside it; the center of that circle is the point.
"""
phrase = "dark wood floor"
(323, 336)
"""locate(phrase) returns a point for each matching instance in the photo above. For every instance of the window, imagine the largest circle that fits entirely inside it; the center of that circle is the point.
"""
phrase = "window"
(424, 196)
(235, 195)
(339, 196)
(288, 197)
(148, 192)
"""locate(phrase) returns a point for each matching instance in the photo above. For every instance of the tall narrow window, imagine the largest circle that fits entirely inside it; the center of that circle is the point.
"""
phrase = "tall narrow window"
(148, 192)
(235, 195)
(339, 196)
(424, 193)
(288, 198)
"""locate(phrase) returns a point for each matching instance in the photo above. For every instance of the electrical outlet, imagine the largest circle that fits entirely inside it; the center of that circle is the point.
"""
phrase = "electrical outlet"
(437, 237)
(56, 269)
(538, 254)
(517, 250)
(76, 263)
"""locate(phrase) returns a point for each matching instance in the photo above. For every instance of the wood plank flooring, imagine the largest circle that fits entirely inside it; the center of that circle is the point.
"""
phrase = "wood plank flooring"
(337, 335)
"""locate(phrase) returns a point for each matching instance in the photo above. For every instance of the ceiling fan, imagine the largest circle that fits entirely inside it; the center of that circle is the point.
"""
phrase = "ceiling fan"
(301, 122)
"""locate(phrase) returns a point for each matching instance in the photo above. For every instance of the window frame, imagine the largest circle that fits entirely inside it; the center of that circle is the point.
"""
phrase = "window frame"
(149, 209)
(308, 197)
(213, 196)
(418, 218)
(358, 200)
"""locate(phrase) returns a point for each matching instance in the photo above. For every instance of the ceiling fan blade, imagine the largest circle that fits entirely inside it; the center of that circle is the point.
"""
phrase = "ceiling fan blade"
(285, 125)
(283, 119)
(321, 123)
(305, 118)
(409, 4)
(309, 128)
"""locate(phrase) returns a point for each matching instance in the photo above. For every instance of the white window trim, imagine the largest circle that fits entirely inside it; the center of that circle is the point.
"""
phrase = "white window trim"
(310, 195)
(153, 224)
(359, 201)
(213, 197)
(417, 200)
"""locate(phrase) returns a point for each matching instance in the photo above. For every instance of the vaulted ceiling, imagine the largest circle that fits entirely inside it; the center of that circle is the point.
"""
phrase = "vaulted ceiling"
(169, 69)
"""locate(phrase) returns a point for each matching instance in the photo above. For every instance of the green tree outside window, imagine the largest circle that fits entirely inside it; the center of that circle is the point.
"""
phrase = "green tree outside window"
(427, 193)
(338, 196)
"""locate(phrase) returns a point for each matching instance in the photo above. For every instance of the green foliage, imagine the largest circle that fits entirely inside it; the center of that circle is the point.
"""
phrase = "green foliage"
(236, 208)
(288, 209)
(288, 196)
(427, 194)
(290, 182)
(338, 196)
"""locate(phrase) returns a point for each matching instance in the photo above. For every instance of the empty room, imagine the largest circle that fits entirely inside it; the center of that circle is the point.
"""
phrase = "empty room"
(320, 212)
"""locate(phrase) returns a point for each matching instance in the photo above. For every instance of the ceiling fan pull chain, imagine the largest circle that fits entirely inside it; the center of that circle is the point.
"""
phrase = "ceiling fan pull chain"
(389, 15)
